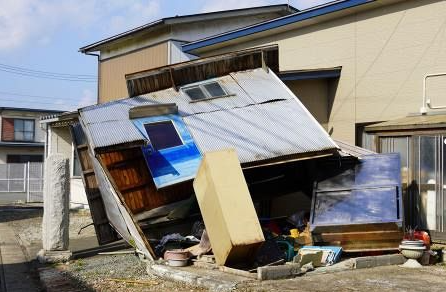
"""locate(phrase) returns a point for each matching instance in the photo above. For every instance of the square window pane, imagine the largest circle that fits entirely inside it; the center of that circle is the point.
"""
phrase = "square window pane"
(195, 93)
(28, 136)
(214, 89)
(18, 136)
(163, 135)
(18, 125)
(29, 126)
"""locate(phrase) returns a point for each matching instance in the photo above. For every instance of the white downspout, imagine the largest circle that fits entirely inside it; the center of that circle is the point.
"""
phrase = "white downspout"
(426, 101)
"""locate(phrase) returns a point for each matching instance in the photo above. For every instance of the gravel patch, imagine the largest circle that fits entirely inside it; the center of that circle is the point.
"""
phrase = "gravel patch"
(110, 273)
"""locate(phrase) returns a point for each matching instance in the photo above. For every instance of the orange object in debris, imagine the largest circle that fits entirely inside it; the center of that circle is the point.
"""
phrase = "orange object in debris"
(421, 235)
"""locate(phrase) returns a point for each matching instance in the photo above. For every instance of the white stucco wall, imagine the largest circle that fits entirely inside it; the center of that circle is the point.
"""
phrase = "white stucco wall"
(60, 142)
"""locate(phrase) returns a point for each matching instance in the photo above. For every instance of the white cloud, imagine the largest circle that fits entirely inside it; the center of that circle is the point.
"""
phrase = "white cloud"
(23, 21)
(88, 98)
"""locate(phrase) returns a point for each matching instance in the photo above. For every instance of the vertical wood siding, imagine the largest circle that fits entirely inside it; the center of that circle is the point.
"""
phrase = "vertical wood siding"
(131, 175)
(112, 72)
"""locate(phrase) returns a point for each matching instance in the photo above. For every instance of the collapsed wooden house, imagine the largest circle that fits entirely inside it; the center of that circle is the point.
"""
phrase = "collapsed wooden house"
(139, 155)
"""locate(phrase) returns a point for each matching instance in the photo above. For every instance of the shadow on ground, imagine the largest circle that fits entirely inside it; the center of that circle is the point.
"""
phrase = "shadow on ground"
(10, 213)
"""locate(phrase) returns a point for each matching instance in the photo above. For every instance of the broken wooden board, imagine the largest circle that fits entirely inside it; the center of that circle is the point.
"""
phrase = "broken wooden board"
(228, 212)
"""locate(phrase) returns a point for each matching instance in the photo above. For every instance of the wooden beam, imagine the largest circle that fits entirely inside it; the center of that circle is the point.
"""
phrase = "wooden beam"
(172, 79)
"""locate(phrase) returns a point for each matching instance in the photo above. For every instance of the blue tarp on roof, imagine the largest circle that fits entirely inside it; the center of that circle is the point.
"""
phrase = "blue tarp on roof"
(174, 164)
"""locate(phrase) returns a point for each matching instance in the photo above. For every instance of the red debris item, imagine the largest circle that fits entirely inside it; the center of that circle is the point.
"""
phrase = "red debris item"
(421, 235)
(273, 227)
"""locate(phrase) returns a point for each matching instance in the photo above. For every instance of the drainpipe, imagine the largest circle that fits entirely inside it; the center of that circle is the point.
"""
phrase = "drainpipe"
(98, 73)
(426, 101)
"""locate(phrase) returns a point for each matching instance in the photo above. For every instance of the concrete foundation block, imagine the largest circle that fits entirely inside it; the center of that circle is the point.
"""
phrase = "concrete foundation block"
(378, 261)
(52, 257)
(279, 272)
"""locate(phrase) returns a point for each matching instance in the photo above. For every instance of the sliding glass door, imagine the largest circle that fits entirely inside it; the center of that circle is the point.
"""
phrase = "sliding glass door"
(423, 177)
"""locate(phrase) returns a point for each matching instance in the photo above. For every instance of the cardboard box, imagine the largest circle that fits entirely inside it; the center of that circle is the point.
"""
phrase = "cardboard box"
(228, 212)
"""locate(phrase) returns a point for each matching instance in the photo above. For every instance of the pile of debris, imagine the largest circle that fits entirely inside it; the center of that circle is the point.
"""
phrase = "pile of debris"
(218, 155)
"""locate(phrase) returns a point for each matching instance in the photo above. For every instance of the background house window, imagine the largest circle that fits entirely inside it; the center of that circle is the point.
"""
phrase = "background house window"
(17, 129)
(163, 135)
(23, 130)
(205, 91)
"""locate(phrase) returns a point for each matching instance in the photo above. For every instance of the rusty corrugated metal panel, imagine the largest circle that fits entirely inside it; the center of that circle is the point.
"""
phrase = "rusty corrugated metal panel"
(263, 120)
(112, 84)
(202, 69)
(260, 132)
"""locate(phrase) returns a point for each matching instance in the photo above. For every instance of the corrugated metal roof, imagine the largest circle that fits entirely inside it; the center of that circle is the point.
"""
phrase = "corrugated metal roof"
(411, 123)
(114, 133)
(260, 86)
(352, 150)
(259, 132)
(262, 120)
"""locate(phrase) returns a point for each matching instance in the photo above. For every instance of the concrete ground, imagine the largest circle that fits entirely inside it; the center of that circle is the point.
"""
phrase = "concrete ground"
(19, 240)
(390, 278)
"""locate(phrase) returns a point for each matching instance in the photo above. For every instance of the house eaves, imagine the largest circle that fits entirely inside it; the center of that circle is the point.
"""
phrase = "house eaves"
(302, 18)
(33, 110)
(281, 9)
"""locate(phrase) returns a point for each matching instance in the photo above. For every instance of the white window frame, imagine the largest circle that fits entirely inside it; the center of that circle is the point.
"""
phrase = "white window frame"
(202, 87)
(175, 128)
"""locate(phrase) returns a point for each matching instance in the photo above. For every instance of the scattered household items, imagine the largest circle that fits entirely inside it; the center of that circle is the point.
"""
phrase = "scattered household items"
(330, 254)
(306, 256)
(416, 248)
(177, 257)
(412, 250)
(412, 234)
(358, 205)
(174, 241)
(203, 247)
(228, 213)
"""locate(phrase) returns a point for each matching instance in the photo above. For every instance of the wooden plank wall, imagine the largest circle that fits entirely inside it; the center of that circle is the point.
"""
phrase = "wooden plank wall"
(131, 175)
(104, 231)
(360, 237)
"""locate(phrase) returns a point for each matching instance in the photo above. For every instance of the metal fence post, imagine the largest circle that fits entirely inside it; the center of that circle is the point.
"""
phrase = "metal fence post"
(28, 199)
(7, 174)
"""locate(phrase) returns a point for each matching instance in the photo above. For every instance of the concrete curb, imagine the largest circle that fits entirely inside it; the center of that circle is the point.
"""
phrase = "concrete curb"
(216, 280)
(212, 283)
(362, 263)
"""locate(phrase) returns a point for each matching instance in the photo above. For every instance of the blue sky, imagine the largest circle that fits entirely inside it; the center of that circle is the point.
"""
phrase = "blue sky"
(45, 35)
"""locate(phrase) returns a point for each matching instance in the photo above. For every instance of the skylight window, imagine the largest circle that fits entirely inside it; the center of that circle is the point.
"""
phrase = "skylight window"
(205, 91)
(163, 135)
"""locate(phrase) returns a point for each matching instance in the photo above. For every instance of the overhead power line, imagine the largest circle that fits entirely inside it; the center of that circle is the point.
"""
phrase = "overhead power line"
(46, 74)
(36, 96)
(38, 102)
(47, 77)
